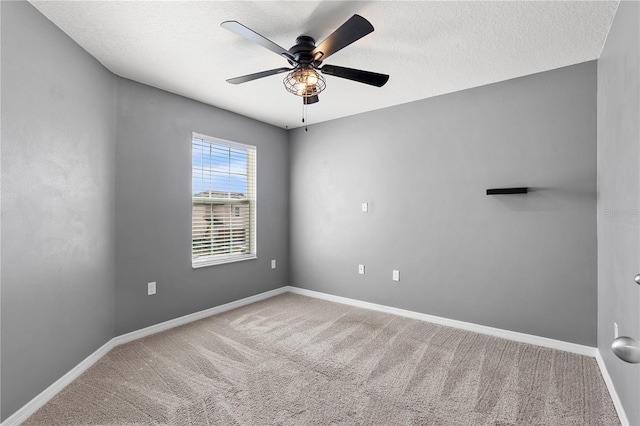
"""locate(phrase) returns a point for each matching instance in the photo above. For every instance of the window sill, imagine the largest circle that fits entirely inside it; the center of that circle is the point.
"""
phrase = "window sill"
(202, 263)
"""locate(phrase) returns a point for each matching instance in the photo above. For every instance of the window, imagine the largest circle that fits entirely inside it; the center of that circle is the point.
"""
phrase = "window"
(223, 218)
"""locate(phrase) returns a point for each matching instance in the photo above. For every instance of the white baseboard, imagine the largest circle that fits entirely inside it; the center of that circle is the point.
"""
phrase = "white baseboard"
(612, 390)
(157, 328)
(482, 329)
(45, 396)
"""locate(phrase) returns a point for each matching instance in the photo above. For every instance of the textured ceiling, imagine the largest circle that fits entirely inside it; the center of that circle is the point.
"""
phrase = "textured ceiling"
(428, 48)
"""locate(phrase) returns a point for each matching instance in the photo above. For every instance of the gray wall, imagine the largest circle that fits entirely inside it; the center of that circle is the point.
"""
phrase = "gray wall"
(153, 208)
(58, 112)
(96, 174)
(618, 199)
(522, 262)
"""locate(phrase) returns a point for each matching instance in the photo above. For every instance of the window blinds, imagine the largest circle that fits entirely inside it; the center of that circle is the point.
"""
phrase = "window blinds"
(223, 218)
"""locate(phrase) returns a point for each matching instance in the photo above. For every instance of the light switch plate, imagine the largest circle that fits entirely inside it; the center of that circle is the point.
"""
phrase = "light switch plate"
(273, 264)
(361, 269)
(151, 288)
(365, 207)
(396, 275)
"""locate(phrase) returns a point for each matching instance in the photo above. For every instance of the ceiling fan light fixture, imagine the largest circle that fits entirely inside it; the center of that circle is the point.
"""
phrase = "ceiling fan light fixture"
(304, 81)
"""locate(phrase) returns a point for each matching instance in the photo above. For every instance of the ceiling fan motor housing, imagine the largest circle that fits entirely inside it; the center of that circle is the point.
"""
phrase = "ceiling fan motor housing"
(302, 52)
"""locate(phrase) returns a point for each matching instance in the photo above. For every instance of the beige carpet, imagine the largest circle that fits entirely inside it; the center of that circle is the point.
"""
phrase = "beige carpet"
(293, 360)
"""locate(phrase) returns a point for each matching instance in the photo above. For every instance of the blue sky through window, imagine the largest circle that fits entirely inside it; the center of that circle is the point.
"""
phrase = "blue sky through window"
(217, 167)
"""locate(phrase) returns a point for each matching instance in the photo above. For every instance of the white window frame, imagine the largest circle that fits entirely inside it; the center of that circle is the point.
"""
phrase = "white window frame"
(218, 259)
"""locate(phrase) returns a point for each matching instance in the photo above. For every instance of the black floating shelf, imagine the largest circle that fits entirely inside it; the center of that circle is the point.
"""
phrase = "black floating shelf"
(501, 191)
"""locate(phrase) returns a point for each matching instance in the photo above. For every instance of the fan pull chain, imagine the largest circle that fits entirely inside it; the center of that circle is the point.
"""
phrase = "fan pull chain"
(304, 116)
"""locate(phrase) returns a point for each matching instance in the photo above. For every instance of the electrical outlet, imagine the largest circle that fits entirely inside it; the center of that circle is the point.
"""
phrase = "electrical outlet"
(361, 269)
(396, 275)
(615, 330)
(151, 288)
(273, 264)
(365, 207)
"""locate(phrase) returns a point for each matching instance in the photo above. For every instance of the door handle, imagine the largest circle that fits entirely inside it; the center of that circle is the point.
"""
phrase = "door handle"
(627, 349)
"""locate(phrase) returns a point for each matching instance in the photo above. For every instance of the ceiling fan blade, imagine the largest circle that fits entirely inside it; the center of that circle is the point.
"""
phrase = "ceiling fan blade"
(255, 76)
(366, 77)
(308, 100)
(354, 29)
(248, 34)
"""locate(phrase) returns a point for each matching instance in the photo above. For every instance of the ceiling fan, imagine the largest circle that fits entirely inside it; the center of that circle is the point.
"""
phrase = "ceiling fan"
(306, 59)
